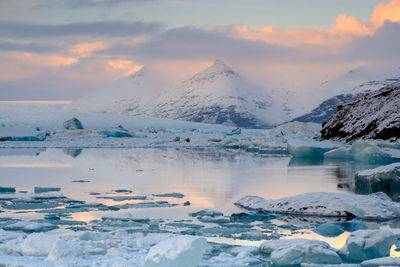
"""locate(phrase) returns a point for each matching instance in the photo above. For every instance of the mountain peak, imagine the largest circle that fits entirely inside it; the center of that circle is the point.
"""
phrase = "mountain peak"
(219, 65)
(217, 69)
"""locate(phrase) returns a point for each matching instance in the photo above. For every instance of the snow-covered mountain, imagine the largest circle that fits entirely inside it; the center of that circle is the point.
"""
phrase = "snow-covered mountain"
(215, 95)
(371, 116)
(126, 96)
(220, 95)
(347, 87)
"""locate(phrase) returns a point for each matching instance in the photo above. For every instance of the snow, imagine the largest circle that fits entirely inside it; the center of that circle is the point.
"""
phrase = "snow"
(367, 244)
(177, 251)
(376, 206)
(295, 251)
(371, 116)
(384, 178)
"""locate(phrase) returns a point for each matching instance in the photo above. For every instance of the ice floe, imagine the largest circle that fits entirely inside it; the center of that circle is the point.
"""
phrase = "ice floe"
(378, 262)
(177, 251)
(376, 206)
(21, 133)
(384, 178)
(296, 251)
(303, 148)
(367, 244)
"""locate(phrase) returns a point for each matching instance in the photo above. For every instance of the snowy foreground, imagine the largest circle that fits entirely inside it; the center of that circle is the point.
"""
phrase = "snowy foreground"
(123, 238)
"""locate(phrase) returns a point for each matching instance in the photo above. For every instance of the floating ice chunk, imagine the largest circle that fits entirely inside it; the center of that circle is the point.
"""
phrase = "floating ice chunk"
(378, 262)
(7, 189)
(80, 181)
(73, 124)
(343, 153)
(30, 227)
(207, 212)
(303, 149)
(236, 131)
(21, 134)
(39, 190)
(64, 249)
(364, 151)
(376, 206)
(38, 245)
(27, 196)
(177, 251)
(367, 244)
(117, 132)
(126, 216)
(174, 195)
(329, 230)
(8, 235)
(384, 178)
(209, 215)
(123, 198)
(123, 191)
(330, 265)
(352, 225)
(296, 251)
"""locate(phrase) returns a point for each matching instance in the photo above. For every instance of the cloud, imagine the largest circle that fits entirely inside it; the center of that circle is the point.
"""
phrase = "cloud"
(88, 29)
(382, 46)
(200, 44)
(85, 49)
(384, 12)
(87, 3)
(27, 47)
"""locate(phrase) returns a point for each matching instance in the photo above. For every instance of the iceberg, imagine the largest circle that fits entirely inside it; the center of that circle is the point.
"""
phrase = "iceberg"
(209, 215)
(30, 227)
(177, 251)
(364, 151)
(342, 153)
(73, 124)
(384, 178)
(116, 132)
(305, 149)
(19, 133)
(363, 245)
(4, 189)
(39, 190)
(377, 206)
(286, 252)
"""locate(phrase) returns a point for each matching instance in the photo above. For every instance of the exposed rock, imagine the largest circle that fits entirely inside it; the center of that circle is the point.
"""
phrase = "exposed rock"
(372, 116)
(73, 124)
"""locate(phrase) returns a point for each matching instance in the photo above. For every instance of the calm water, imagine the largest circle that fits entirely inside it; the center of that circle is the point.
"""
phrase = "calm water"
(208, 178)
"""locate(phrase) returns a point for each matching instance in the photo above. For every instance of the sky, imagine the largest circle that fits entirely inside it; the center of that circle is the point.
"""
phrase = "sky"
(64, 49)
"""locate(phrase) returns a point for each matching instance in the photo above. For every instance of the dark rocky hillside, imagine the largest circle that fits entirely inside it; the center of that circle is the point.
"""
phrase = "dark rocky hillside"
(374, 115)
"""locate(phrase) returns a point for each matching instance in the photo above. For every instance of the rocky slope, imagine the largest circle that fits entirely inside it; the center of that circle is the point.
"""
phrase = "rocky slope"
(374, 115)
